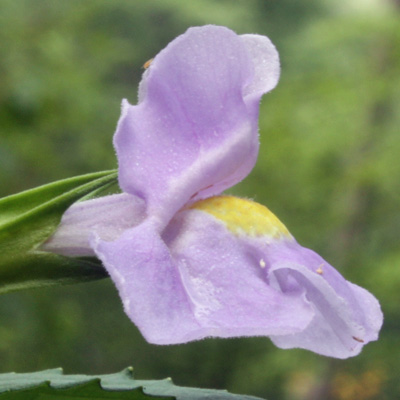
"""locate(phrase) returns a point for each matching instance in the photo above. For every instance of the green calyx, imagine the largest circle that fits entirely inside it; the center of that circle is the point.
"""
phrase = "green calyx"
(28, 218)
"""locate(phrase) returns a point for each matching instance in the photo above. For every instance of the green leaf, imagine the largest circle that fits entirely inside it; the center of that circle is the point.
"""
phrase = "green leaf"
(27, 219)
(53, 384)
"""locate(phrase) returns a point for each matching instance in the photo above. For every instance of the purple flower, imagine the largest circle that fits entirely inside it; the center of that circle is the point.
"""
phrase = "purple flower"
(188, 262)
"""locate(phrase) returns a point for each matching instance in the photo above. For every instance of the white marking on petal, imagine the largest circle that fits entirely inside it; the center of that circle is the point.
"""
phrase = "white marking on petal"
(127, 304)
(206, 298)
(262, 263)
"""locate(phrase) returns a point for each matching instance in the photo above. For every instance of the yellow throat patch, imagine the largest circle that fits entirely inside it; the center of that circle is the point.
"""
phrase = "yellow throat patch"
(242, 216)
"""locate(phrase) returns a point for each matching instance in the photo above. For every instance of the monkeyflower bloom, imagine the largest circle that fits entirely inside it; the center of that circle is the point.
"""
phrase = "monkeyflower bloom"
(191, 263)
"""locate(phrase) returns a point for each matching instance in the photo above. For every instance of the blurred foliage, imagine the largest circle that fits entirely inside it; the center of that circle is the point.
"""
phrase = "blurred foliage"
(328, 168)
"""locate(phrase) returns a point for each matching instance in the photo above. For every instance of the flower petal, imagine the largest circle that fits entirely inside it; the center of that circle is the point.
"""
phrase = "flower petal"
(346, 317)
(371, 310)
(150, 287)
(266, 63)
(107, 217)
(225, 277)
(198, 280)
(343, 318)
(193, 133)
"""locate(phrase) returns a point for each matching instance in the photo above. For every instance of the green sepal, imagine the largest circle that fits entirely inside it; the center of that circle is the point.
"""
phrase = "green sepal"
(53, 384)
(29, 218)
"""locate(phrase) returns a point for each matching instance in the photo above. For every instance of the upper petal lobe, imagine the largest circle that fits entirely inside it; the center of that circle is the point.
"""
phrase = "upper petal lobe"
(193, 133)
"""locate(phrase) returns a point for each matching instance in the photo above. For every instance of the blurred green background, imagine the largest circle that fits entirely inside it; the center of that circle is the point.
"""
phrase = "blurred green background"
(328, 167)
